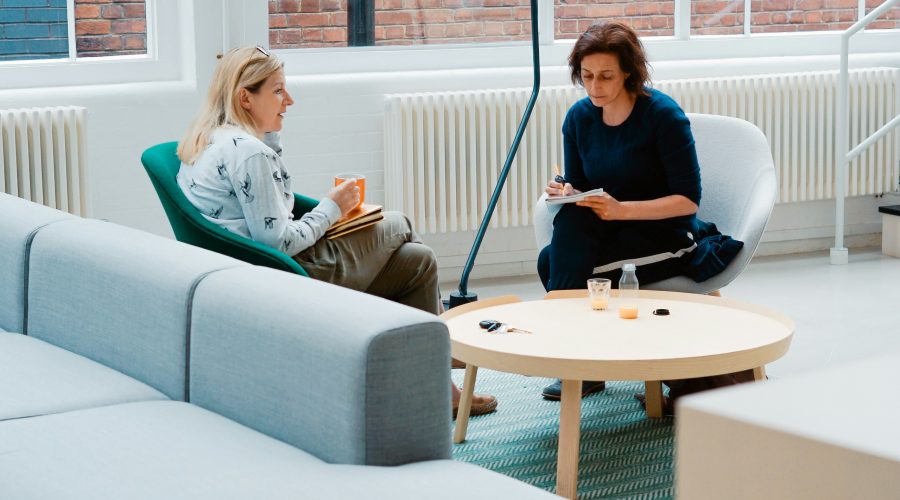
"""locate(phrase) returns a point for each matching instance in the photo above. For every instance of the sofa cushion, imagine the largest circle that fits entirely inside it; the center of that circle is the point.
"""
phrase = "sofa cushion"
(39, 378)
(144, 450)
(118, 296)
(19, 221)
(176, 450)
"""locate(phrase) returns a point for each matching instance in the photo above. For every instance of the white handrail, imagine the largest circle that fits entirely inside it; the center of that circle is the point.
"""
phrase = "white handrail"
(872, 138)
(839, 254)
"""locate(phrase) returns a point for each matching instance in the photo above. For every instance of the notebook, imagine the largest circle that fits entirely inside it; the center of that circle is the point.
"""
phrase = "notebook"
(355, 220)
(572, 198)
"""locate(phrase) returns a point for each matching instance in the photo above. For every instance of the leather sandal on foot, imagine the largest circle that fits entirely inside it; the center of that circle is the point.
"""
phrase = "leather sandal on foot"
(553, 392)
(481, 404)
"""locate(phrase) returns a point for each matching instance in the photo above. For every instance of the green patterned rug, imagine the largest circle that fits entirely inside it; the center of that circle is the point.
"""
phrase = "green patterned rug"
(623, 453)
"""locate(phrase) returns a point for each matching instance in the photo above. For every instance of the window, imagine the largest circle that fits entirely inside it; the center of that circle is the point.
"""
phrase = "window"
(39, 29)
(717, 17)
(112, 28)
(340, 23)
(331, 23)
(711, 17)
(647, 18)
(85, 42)
(777, 16)
(890, 20)
(317, 36)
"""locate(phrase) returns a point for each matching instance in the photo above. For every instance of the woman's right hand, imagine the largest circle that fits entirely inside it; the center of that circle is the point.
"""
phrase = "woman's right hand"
(345, 196)
(559, 189)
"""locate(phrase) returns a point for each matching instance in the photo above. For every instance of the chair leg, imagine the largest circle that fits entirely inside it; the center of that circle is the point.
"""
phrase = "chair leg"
(759, 373)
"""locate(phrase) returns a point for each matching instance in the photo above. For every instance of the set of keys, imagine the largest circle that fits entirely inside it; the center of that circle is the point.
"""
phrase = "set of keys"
(493, 326)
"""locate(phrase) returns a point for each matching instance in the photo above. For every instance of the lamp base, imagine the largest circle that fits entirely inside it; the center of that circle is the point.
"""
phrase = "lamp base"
(458, 299)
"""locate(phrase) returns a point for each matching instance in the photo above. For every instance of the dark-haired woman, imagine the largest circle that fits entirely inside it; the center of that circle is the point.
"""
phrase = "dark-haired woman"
(636, 144)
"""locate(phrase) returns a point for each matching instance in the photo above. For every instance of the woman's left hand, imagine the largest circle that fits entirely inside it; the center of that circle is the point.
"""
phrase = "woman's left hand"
(605, 206)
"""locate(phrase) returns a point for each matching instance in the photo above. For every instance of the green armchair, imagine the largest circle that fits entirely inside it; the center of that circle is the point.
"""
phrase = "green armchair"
(189, 226)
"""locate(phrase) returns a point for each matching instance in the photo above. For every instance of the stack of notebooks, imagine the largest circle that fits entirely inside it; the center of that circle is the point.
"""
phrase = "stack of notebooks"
(356, 219)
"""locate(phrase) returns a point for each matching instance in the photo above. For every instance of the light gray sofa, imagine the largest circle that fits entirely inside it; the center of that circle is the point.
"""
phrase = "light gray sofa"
(133, 366)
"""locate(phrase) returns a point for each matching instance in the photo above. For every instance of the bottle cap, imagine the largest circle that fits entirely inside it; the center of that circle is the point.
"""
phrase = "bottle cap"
(628, 267)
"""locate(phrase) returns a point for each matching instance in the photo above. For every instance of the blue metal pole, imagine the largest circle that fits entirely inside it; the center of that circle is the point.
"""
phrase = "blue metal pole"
(463, 296)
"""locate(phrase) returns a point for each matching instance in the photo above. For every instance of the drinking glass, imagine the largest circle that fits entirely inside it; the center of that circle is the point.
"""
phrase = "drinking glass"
(598, 292)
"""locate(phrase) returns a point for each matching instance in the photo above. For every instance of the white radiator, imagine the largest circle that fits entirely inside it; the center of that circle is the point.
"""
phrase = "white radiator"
(42, 156)
(444, 151)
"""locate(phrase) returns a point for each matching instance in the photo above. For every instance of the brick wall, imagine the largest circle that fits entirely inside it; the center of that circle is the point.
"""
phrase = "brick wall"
(110, 27)
(648, 18)
(33, 29)
(716, 17)
(323, 23)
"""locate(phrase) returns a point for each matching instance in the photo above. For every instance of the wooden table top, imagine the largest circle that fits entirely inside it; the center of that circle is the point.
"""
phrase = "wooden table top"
(701, 336)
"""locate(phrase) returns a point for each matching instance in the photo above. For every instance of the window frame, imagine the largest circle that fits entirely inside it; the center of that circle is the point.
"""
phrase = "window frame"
(682, 45)
(159, 63)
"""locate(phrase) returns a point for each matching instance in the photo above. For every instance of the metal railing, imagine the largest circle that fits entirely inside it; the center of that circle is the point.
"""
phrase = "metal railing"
(839, 254)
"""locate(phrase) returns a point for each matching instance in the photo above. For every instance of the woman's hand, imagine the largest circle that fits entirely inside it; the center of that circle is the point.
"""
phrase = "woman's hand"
(345, 195)
(605, 206)
(559, 189)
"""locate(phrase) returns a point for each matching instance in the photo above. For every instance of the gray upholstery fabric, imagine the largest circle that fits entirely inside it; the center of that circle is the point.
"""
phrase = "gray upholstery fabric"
(432, 480)
(117, 296)
(18, 219)
(175, 450)
(348, 377)
(739, 190)
(141, 451)
(39, 378)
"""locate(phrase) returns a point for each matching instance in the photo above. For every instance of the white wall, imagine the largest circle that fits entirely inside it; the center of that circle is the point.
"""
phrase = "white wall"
(336, 125)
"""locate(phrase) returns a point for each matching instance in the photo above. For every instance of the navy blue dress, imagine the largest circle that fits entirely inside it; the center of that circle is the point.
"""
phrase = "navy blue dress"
(650, 155)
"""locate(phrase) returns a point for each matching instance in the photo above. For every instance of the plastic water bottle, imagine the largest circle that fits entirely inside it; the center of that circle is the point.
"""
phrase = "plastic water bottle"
(628, 283)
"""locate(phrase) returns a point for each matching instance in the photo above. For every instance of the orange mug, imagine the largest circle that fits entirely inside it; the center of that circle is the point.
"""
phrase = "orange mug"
(360, 181)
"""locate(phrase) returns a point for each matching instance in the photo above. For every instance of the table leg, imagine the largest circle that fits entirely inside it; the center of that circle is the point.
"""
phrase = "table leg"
(569, 439)
(759, 373)
(465, 403)
(654, 398)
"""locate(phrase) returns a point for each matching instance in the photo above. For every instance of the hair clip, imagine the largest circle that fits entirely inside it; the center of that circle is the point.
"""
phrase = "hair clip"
(262, 50)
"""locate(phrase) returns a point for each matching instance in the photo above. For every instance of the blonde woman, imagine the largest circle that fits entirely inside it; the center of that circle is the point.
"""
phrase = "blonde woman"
(233, 173)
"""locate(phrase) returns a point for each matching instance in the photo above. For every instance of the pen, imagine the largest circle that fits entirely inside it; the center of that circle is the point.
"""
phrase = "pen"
(559, 178)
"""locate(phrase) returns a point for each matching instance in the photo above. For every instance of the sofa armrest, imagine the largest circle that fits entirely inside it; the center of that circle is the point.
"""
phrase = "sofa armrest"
(348, 377)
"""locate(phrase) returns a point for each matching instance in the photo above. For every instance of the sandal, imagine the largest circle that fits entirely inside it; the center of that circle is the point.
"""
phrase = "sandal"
(481, 404)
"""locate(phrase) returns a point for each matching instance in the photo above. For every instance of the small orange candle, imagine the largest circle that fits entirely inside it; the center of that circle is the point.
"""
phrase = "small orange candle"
(628, 311)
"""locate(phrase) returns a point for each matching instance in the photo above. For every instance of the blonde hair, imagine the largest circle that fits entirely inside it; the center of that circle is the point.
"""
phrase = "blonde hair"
(241, 68)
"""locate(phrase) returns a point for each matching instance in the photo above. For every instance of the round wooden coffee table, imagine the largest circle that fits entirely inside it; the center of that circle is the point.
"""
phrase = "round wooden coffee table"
(702, 336)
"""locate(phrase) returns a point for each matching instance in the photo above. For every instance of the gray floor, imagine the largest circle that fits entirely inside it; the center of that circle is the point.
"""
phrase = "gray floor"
(843, 313)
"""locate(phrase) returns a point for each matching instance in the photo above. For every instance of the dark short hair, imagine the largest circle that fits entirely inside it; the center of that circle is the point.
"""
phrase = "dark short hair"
(612, 38)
